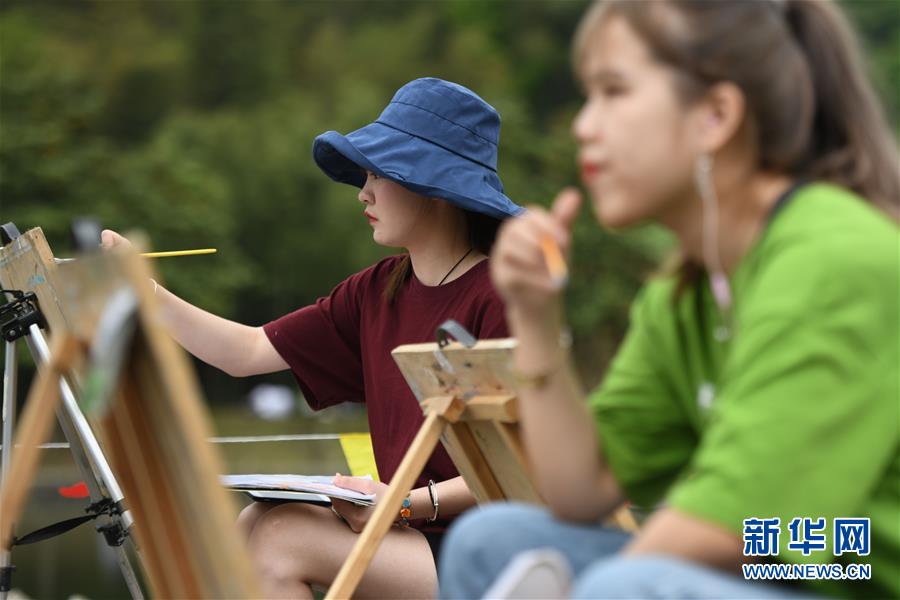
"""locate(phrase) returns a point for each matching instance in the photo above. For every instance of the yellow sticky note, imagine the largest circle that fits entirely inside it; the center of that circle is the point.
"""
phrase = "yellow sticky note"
(358, 452)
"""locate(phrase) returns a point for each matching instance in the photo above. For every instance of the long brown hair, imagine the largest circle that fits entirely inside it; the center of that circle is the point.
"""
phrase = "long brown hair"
(482, 231)
(810, 105)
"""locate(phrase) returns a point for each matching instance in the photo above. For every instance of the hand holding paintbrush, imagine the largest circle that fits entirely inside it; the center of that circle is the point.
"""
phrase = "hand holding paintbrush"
(110, 239)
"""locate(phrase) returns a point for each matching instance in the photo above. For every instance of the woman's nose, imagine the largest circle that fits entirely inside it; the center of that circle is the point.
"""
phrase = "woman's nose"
(365, 195)
(586, 125)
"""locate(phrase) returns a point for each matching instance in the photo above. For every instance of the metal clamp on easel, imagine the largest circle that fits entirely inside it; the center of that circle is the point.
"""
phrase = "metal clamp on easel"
(443, 333)
(22, 318)
(19, 314)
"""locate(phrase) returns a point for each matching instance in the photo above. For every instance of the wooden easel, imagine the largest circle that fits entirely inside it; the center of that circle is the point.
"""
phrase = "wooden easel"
(146, 406)
(469, 402)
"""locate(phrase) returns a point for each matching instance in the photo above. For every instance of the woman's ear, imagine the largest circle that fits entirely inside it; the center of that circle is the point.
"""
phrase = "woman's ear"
(721, 112)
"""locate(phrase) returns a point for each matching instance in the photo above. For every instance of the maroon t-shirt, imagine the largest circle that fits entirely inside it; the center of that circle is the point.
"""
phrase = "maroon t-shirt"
(339, 349)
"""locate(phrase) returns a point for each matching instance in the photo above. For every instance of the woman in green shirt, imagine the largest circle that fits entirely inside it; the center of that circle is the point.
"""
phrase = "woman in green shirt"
(754, 405)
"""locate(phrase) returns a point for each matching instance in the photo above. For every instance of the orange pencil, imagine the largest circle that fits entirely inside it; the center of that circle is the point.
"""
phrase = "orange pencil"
(556, 264)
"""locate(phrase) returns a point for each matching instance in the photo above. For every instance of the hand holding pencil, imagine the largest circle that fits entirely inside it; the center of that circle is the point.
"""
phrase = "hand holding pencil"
(528, 266)
(556, 263)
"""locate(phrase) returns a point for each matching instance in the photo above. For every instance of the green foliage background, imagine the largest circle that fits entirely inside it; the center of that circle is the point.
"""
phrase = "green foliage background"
(193, 121)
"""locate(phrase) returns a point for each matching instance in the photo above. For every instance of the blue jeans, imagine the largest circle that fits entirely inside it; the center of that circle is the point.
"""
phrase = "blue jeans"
(481, 544)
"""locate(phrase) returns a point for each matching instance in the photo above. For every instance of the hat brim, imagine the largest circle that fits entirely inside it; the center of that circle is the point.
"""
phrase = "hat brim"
(414, 163)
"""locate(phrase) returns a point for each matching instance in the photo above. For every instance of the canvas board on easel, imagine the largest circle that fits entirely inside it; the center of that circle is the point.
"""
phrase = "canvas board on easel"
(150, 418)
(467, 394)
(484, 444)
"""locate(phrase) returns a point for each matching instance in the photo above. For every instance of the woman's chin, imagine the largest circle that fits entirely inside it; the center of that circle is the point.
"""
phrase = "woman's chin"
(615, 213)
(385, 240)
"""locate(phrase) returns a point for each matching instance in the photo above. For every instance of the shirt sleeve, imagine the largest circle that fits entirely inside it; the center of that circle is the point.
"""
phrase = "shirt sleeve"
(492, 317)
(321, 344)
(644, 435)
(806, 421)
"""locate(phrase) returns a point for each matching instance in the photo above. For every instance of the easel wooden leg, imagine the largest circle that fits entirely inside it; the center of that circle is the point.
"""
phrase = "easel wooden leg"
(33, 430)
(438, 413)
(468, 458)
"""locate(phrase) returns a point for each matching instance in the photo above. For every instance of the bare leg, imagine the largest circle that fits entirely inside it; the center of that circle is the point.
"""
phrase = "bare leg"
(246, 521)
(296, 546)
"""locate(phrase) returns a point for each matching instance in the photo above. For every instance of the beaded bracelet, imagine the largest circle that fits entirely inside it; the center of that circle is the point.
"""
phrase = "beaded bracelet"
(405, 512)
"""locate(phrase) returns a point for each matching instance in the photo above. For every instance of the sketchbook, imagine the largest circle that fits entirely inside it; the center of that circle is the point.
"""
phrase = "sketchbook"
(285, 496)
(317, 489)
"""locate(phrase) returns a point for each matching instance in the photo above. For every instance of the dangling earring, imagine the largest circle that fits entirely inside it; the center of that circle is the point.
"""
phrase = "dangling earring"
(718, 281)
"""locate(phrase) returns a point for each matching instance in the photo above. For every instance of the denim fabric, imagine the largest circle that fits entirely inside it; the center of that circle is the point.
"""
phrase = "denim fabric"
(482, 543)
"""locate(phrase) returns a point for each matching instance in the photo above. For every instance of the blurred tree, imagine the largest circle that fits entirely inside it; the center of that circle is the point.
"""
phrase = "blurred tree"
(194, 121)
(879, 22)
(229, 53)
(137, 101)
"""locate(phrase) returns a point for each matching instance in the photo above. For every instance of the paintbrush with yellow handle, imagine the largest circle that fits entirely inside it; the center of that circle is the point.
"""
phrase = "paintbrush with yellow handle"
(178, 253)
(166, 254)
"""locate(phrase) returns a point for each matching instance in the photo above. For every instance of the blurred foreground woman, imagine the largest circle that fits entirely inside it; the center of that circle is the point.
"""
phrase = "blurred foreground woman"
(753, 406)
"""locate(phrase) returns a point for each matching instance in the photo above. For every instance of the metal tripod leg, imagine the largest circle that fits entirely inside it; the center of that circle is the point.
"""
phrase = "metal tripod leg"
(85, 450)
(9, 416)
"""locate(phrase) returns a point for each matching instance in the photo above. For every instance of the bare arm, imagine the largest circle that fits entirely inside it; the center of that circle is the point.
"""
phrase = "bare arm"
(453, 498)
(558, 432)
(557, 428)
(237, 349)
(674, 533)
(453, 495)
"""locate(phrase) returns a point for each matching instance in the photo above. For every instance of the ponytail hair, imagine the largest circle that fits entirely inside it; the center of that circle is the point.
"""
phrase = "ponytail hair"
(851, 142)
(810, 106)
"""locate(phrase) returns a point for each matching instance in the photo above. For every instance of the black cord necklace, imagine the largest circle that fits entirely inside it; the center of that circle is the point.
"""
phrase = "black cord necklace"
(469, 251)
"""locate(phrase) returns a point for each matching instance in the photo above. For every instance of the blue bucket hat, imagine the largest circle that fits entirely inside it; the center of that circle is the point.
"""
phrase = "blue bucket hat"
(435, 138)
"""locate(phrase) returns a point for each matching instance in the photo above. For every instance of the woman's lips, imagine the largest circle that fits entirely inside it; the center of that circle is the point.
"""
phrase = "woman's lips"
(590, 170)
(370, 218)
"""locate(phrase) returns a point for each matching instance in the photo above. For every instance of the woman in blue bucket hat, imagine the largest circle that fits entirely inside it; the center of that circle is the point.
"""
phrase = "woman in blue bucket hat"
(426, 170)
(436, 138)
